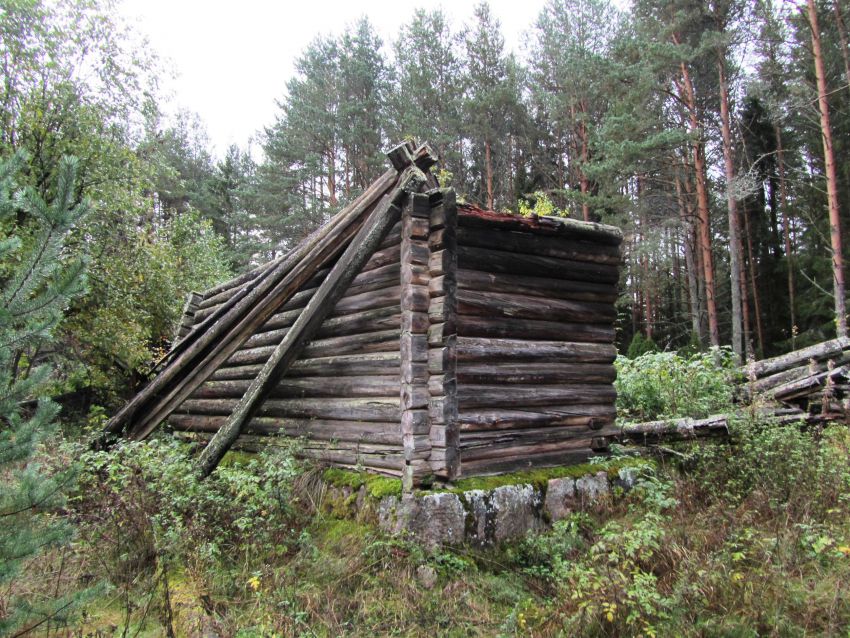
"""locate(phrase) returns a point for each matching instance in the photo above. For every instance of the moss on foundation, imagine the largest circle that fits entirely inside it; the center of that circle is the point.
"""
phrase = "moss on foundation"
(377, 486)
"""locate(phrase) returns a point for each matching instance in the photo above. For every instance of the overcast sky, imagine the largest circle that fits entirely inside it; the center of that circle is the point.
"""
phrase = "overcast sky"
(232, 59)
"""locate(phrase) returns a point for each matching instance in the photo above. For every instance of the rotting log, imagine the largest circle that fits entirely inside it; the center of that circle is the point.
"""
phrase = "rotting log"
(687, 428)
(381, 409)
(517, 305)
(825, 350)
(381, 363)
(471, 217)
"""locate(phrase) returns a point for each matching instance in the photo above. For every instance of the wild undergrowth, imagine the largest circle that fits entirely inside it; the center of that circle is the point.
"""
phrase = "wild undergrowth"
(743, 536)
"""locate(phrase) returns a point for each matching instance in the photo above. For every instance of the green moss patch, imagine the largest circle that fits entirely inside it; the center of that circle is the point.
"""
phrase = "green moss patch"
(377, 486)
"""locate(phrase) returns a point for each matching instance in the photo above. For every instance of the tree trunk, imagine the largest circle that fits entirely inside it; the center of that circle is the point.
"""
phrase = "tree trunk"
(702, 206)
(735, 246)
(786, 230)
(690, 262)
(489, 168)
(831, 177)
(842, 35)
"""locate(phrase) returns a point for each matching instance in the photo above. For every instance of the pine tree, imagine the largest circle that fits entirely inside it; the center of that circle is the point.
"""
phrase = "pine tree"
(40, 283)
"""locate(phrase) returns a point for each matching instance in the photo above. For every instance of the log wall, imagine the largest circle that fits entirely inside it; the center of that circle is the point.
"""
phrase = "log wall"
(342, 395)
(534, 348)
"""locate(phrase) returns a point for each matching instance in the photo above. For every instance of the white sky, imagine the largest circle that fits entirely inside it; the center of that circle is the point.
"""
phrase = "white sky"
(232, 59)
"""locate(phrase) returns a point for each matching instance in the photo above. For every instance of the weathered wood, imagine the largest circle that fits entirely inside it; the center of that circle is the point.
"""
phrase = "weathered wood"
(535, 286)
(305, 387)
(519, 450)
(380, 341)
(765, 384)
(470, 217)
(579, 415)
(543, 246)
(542, 372)
(501, 261)
(484, 350)
(500, 304)
(532, 329)
(495, 396)
(378, 319)
(687, 428)
(414, 341)
(473, 440)
(820, 351)
(326, 297)
(526, 461)
(381, 409)
(207, 346)
(808, 385)
(328, 430)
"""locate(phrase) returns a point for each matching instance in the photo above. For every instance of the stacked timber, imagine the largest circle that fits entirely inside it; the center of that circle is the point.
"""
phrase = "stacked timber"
(535, 332)
(409, 336)
(816, 378)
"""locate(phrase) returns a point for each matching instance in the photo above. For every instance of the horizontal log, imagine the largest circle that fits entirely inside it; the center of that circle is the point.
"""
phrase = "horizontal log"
(807, 386)
(525, 462)
(527, 436)
(485, 350)
(383, 459)
(327, 430)
(532, 329)
(518, 450)
(592, 416)
(380, 341)
(812, 367)
(470, 217)
(542, 372)
(515, 263)
(820, 351)
(687, 428)
(306, 387)
(358, 322)
(496, 396)
(375, 363)
(547, 287)
(503, 304)
(543, 246)
(380, 409)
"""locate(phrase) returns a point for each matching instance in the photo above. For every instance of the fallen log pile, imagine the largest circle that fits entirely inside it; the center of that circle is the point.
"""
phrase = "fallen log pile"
(815, 379)
(714, 425)
(811, 386)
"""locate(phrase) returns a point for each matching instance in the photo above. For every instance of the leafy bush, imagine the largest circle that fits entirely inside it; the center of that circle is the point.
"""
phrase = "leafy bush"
(144, 511)
(665, 384)
(603, 573)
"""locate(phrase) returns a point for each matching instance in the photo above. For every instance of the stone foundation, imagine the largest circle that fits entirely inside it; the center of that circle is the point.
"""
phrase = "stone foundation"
(479, 517)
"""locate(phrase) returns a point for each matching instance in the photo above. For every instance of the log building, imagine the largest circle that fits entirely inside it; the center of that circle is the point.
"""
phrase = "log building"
(410, 335)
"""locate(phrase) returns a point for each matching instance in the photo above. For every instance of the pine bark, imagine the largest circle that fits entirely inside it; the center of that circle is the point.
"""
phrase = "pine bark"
(703, 213)
(831, 176)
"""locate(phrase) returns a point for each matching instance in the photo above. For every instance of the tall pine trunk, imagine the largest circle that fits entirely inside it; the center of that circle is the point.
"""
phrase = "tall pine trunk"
(489, 169)
(735, 247)
(831, 177)
(703, 214)
(786, 231)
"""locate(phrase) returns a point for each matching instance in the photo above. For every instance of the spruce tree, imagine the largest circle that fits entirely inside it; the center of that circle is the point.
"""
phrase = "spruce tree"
(38, 282)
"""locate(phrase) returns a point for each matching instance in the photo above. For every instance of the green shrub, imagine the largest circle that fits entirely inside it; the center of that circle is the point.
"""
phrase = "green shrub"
(143, 507)
(640, 345)
(603, 573)
(665, 384)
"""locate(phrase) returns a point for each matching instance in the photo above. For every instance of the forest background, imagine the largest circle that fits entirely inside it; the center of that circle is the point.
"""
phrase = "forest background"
(711, 132)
